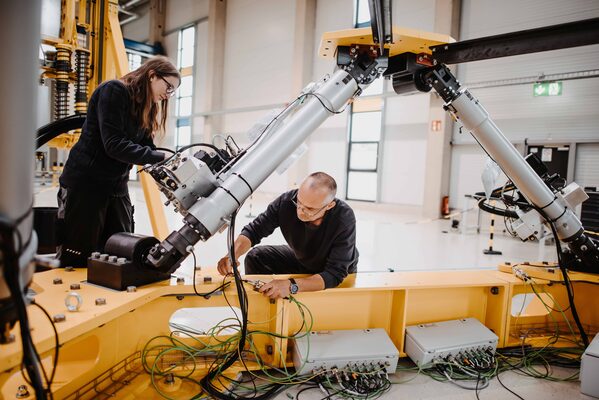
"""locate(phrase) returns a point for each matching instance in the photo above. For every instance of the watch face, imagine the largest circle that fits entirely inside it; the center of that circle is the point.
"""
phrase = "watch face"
(293, 288)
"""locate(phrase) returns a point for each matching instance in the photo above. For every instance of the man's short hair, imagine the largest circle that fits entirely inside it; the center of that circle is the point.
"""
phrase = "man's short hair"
(324, 180)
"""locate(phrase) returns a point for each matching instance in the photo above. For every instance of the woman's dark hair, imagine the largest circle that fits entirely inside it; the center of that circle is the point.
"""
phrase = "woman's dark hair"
(145, 110)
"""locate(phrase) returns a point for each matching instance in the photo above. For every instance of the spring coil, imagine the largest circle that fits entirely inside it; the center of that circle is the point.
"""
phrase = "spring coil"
(81, 66)
(62, 67)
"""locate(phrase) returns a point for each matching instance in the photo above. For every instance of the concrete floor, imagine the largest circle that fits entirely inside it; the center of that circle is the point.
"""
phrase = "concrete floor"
(392, 237)
(424, 388)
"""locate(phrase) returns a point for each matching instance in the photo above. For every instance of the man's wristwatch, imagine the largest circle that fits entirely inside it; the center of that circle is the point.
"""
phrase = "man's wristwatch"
(293, 288)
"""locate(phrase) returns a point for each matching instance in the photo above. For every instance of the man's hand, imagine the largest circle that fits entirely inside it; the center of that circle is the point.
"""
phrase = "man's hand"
(224, 265)
(242, 245)
(276, 289)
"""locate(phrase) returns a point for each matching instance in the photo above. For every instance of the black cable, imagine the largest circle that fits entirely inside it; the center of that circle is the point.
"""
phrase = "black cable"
(56, 346)
(210, 293)
(297, 395)
(12, 278)
(495, 210)
(569, 289)
(213, 373)
(199, 144)
(178, 151)
(322, 103)
(165, 149)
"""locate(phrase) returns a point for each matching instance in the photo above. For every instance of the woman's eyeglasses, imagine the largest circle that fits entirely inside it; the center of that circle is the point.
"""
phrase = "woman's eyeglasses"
(170, 89)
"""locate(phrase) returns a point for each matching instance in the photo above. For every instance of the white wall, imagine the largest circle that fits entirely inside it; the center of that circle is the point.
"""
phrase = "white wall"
(404, 149)
(138, 29)
(180, 13)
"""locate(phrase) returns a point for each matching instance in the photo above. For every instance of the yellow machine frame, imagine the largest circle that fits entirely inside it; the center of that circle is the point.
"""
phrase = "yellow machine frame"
(100, 344)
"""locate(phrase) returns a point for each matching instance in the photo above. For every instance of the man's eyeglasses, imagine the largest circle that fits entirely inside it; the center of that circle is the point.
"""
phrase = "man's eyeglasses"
(309, 211)
(170, 89)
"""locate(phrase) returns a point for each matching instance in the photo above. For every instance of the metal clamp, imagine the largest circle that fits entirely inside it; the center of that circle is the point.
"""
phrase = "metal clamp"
(73, 301)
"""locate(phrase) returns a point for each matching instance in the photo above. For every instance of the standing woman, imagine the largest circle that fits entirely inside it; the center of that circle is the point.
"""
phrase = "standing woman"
(124, 117)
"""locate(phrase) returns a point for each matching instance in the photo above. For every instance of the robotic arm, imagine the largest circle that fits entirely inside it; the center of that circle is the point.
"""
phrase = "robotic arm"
(207, 193)
(555, 206)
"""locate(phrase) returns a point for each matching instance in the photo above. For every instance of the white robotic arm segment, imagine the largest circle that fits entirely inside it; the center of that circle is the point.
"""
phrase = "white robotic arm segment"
(556, 210)
(211, 212)
(476, 119)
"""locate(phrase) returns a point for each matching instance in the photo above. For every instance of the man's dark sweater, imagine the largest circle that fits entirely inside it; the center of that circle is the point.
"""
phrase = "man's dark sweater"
(328, 249)
(111, 141)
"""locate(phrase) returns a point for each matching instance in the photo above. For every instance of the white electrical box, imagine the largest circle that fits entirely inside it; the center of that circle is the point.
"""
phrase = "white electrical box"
(436, 340)
(589, 369)
(360, 348)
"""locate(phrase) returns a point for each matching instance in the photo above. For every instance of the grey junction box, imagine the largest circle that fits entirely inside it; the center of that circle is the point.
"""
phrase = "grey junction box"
(433, 341)
(371, 349)
(589, 369)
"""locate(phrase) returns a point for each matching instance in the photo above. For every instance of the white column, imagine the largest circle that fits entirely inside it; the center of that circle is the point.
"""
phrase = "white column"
(303, 57)
(215, 65)
(438, 152)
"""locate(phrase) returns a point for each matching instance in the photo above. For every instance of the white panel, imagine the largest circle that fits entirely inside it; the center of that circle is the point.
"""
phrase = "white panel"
(200, 69)
(240, 123)
(183, 12)
(404, 164)
(414, 14)
(51, 18)
(327, 152)
(169, 43)
(274, 184)
(258, 52)
(331, 15)
(586, 172)
(570, 117)
(413, 109)
(44, 111)
(530, 65)
(467, 164)
(138, 29)
(491, 17)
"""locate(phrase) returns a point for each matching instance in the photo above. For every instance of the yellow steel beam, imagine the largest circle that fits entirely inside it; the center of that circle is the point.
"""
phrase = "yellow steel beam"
(155, 207)
(404, 40)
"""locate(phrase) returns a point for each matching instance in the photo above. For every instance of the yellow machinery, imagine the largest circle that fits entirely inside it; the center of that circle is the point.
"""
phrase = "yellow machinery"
(90, 34)
(102, 339)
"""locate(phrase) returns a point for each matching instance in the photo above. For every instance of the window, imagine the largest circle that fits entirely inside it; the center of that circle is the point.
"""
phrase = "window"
(135, 61)
(362, 171)
(184, 95)
(362, 14)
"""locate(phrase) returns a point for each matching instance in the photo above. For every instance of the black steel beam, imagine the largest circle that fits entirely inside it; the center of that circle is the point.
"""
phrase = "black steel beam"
(380, 22)
(572, 34)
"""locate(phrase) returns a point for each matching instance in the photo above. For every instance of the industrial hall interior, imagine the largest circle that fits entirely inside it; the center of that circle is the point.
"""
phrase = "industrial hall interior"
(299, 199)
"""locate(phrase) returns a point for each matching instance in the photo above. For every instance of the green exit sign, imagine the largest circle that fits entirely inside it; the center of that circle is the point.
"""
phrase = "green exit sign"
(547, 89)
